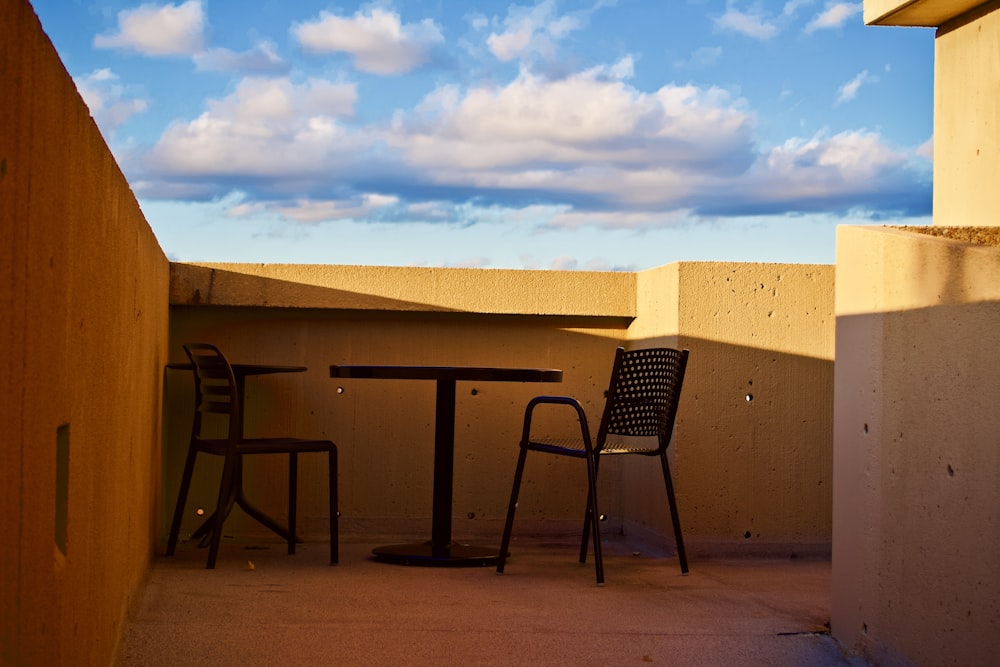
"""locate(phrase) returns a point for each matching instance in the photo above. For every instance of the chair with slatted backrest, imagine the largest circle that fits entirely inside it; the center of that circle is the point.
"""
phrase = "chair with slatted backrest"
(638, 419)
(217, 393)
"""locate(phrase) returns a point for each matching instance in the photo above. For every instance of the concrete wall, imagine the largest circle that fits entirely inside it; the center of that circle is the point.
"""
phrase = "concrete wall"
(916, 533)
(760, 467)
(967, 119)
(916, 463)
(384, 429)
(752, 476)
(83, 297)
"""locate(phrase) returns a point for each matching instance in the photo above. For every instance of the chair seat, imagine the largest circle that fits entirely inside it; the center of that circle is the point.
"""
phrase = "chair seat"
(576, 447)
(565, 446)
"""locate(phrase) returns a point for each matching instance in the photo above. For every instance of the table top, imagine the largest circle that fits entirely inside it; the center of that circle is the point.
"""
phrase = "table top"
(454, 373)
(247, 369)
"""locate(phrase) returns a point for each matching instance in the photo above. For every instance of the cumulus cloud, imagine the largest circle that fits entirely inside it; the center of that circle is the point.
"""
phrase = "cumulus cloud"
(261, 59)
(108, 100)
(158, 30)
(586, 150)
(269, 128)
(535, 31)
(849, 170)
(377, 40)
(585, 118)
(835, 16)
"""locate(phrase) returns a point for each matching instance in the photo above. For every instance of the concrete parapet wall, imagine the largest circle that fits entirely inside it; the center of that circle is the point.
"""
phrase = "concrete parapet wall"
(83, 297)
(916, 532)
(753, 445)
(752, 475)
(406, 289)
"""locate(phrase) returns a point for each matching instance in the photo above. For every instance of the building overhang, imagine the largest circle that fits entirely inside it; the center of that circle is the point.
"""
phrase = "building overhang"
(918, 13)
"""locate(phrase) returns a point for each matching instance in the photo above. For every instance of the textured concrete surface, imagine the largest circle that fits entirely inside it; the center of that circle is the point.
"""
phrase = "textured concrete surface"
(545, 609)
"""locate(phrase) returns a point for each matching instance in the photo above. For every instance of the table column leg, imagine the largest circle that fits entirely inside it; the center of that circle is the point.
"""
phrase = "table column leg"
(444, 466)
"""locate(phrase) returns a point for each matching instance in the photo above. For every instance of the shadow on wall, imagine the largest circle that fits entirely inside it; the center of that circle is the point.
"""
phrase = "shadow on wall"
(918, 484)
(752, 455)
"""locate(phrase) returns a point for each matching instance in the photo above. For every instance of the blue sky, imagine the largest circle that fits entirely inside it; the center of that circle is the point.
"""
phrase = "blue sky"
(598, 135)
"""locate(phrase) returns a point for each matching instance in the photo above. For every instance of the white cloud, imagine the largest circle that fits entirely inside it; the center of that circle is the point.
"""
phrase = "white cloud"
(847, 163)
(158, 30)
(535, 30)
(533, 126)
(106, 98)
(850, 89)
(261, 59)
(750, 24)
(306, 210)
(270, 128)
(378, 41)
(835, 16)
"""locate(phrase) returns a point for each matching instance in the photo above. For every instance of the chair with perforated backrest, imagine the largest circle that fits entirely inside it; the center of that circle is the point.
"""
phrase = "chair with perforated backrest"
(217, 393)
(640, 409)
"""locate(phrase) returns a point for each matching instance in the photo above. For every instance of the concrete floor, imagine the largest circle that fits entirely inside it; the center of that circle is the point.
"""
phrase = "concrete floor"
(263, 607)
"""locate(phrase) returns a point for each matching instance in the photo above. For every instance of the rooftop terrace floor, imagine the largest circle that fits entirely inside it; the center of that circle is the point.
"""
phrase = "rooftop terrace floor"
(545, 609)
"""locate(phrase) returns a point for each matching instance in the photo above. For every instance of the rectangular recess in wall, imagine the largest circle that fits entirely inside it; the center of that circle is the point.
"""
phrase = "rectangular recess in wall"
(62, 485)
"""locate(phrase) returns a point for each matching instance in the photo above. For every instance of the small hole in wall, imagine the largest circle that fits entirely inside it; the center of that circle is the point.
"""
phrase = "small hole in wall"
(866, 428)
(951, 471)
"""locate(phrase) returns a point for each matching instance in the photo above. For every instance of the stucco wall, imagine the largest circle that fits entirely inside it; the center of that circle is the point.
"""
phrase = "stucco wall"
(83, 298)
(916, 532)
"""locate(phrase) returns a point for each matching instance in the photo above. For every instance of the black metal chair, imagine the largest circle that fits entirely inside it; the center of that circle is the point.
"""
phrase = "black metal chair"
(216, 392)
(641, 402)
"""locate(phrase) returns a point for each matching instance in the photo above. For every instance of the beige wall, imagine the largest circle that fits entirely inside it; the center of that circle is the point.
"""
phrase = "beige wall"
(967, 121)
(762, 467)
(757, 423)
(916, 533)
(87, 331)
(916, 466)
(384, 429)
(83, 298)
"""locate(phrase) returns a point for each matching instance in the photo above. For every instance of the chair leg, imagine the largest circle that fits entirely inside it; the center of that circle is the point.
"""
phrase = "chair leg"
(293, 485)
(674, 516)
(586, 517)
(225, 493)
(334, 511)
(182, 493)
(511, 508)
(595, 518)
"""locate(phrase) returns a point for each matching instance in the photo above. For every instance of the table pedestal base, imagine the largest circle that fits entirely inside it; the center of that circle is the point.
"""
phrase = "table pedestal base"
(425, 553)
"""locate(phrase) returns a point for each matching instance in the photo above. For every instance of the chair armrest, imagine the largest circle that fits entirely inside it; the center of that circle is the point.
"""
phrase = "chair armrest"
(556, 400)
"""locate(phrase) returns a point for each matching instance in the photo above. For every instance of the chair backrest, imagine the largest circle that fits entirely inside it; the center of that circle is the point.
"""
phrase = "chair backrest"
(643, 395)
(215, 390)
